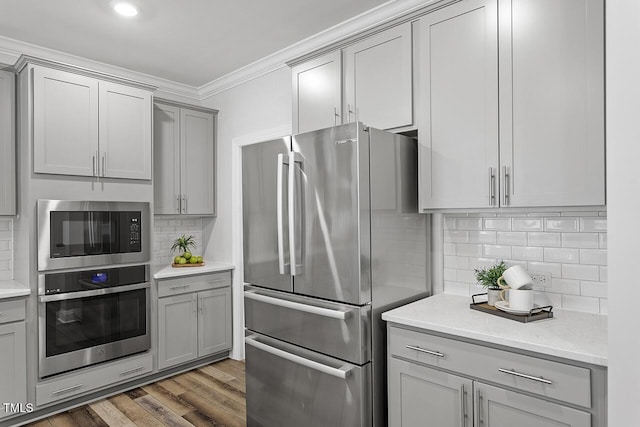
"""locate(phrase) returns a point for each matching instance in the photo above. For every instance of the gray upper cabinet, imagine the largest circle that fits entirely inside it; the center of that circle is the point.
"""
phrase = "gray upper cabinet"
(369, 81)
(184, 159)
(85, 126)
(459, 95)
(317, 93)
(7, 144)
(552, 102)
(512, 104)
(378, 88)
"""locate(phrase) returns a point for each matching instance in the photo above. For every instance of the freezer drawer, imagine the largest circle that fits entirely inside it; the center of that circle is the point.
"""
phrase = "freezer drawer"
(291, 386)
(339, 330)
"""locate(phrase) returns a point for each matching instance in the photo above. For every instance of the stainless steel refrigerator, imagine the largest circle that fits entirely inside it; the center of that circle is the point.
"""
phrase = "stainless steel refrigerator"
(332, 238)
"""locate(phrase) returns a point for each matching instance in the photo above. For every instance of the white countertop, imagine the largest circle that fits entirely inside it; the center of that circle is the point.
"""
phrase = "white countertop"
(569, 334)
(13, 288)
(167, 271)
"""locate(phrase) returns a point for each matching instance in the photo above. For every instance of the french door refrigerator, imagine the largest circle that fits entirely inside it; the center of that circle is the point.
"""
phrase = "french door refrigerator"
(332, 238)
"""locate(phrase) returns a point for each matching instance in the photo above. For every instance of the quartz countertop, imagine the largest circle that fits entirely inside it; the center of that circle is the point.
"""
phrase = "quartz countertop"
(13, 288)
(569, 334)
(167, 271)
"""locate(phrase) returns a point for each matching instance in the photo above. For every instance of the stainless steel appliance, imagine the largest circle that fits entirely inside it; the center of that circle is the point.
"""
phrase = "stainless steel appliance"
(87, 233)
(91, 316)
(332, 238)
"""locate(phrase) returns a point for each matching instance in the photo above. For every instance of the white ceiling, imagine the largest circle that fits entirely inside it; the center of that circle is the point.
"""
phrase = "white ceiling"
(192, 42)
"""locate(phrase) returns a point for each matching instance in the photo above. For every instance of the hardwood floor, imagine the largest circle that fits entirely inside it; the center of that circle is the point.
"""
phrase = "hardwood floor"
(213, 395)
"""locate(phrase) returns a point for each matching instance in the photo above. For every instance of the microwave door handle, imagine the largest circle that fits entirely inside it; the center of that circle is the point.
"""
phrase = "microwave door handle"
(283, 267)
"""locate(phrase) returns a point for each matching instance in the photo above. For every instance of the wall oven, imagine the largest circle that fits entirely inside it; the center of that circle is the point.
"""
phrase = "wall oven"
(88, 233)
(91, 316)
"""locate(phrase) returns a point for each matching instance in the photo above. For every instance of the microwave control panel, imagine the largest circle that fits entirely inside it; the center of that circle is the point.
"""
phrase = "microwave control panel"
(134, 233)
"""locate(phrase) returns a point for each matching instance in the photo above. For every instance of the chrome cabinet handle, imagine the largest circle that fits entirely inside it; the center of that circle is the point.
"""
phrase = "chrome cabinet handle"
(423, 350)
(173, 288)
(521, 375)
(492, 185)
(131, 371)
(283, 267)
(350, 111)
(68, 389)
(507, 177)
(479, 419)
(178, 203)
(94, 164)
(342, 372)
(104, 165)
(463, 409)
(336, 116)
(320, 311)
(184, 204)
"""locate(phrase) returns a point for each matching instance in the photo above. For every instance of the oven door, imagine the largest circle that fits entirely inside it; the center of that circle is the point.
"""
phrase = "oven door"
(80, 234)
(289, 386)
(84, 328)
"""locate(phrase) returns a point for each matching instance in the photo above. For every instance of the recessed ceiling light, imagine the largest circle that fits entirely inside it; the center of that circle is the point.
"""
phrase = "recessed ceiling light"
(125, 9)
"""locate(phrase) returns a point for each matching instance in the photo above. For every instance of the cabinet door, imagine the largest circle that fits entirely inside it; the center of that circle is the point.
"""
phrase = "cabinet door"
(552, 102)
(420, 396)
(198, 162)
(317, 93)
(65, 123)
(378, 79)
(7, 144)
(13, 368)
(125, 131)
(214, 321)
(459, 97)
(497, 407)
(166, 159)
(177, 330)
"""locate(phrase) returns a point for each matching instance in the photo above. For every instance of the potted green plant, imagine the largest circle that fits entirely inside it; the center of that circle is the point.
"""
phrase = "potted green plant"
(185, 244)
(488, 278)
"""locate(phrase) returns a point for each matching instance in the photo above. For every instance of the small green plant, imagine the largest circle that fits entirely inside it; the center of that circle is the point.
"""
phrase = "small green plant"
(184, 243)
(488, 277)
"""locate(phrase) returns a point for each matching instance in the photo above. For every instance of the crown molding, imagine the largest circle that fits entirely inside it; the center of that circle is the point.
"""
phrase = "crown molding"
(387, 13)
(12, 50)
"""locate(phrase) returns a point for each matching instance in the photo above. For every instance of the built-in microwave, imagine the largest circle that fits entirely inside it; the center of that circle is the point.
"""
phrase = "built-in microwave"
(90, 233)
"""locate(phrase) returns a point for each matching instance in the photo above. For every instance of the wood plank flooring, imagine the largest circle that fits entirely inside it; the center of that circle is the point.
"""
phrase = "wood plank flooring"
(213, 395)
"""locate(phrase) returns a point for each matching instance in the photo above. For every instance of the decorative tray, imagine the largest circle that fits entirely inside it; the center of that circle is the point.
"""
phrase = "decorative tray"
(536, 313)
(174, 265)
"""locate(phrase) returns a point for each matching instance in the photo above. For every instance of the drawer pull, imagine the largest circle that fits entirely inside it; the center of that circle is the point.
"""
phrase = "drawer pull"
(216, 281)
(131, 371)
(68, 389)
(521, 375)
(422, 350)
(173, 288)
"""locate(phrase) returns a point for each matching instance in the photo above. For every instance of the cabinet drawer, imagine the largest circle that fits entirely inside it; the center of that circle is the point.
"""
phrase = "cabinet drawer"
(553, 380)
(195, 283)
(74, 384)
(12, 311)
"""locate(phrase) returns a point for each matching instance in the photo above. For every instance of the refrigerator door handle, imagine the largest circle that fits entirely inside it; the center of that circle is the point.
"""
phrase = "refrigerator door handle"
(283, 267)
(343, 372)
(320, 311)
(295, 218)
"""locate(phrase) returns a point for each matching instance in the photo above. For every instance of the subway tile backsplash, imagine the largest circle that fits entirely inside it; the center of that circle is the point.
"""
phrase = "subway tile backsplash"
(6, 249)
(570, 246)
(169, 228)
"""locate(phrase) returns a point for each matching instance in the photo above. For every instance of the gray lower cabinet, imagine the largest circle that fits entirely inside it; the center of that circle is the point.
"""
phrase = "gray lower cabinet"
(13, 354)
(443, 381)
(194, 318)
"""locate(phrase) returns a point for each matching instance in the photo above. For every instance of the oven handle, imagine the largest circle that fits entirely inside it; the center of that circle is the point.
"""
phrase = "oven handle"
(342, 372)
(93, 293)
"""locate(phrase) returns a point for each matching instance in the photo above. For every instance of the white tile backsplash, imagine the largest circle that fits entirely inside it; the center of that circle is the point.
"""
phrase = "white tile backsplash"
(169, 228)
(6, 249)
(570, 246)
